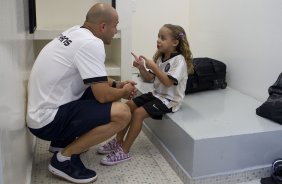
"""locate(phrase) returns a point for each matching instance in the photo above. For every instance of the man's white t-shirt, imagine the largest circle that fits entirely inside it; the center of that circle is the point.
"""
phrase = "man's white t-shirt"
(62, 71)
(176, 69)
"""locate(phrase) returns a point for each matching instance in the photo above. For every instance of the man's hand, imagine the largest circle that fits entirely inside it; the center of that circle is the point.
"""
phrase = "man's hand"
(130, 90)
(122, 83)
(133, 93)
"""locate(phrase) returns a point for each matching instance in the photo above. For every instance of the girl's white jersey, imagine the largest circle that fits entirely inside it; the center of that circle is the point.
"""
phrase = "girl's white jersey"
(176, 69)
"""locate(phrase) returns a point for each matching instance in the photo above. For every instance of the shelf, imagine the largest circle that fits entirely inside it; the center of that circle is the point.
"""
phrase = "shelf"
(49, 34)
(118, 59)
(112, 69)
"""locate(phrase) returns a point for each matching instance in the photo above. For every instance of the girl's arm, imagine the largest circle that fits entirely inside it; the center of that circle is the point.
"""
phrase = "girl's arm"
(145, 74)
(138, 63)
(162, 76)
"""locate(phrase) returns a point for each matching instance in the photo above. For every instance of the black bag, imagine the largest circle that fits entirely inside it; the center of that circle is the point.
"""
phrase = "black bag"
(272, 107)
(276, 176)
(208, 74)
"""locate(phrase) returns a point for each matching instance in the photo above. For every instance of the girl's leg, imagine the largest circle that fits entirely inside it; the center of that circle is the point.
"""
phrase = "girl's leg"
(121, 153)
(114, 143)
(137, 119)
(120, 136)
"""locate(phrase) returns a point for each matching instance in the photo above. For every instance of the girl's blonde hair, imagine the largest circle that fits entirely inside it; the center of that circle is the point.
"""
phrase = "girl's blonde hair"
(183, 47)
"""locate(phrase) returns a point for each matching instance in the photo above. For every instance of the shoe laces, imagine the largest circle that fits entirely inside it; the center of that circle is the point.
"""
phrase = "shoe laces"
(111, 144)
(117, 154)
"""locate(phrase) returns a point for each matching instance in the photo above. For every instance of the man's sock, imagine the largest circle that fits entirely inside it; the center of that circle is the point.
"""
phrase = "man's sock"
(62, 158)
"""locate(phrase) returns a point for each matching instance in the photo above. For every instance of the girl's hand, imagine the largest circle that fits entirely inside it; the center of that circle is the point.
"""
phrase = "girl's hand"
(148, 62)
(138, 62)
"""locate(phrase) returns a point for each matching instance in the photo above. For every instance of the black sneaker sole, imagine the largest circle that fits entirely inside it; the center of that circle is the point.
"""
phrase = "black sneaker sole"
(69, 178)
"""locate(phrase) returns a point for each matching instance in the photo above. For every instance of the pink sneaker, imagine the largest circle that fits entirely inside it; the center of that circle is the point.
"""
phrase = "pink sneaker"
(115, 157)
(108, 147)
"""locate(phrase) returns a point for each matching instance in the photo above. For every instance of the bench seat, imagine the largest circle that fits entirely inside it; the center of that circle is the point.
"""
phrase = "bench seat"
(216, 133)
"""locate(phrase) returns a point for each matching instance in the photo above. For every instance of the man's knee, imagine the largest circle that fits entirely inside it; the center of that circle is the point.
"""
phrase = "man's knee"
(120, 113)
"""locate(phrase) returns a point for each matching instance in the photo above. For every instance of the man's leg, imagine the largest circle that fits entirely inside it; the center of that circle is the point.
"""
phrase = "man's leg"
(120, 116)
(82, 116)
(59, 145)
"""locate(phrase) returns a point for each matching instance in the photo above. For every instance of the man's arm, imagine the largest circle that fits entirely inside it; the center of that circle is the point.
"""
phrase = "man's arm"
(112, 82)
(103, 91)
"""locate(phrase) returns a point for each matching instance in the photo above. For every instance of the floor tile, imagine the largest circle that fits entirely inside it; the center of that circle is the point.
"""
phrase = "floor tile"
(147, 166)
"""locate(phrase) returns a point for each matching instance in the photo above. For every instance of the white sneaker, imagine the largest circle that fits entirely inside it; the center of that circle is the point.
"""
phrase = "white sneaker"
(115, 157)
(108, 147)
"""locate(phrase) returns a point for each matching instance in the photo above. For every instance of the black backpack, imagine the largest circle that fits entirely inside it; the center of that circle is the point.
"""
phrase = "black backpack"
(272, 107)
(276, 176)
(208, 74)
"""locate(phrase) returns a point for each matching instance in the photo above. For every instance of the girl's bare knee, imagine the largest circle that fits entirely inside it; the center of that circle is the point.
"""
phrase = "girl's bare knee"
(140, 113)
(131, 105)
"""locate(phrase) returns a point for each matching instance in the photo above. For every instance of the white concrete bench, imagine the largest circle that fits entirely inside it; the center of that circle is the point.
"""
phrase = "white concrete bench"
(216, 136)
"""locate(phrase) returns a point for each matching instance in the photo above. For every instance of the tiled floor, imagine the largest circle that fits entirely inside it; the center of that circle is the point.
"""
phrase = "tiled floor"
(147, 166)
(252, 182)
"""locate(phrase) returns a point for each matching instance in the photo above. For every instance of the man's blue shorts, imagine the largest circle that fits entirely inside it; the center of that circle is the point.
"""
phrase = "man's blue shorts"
(75, 119)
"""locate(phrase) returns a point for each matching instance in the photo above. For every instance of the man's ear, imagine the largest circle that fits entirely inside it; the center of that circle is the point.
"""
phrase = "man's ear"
(102, 26)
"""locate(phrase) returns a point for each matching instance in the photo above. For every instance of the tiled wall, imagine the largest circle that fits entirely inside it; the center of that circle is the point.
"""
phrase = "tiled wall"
(16, 57)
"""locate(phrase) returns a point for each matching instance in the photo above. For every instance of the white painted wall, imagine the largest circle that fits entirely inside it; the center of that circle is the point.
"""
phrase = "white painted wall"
(62, 14)
(244, 34)
(15, 58)
(150, 16)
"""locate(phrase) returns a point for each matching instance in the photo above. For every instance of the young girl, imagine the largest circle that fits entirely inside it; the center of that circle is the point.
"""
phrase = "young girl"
(168, 69)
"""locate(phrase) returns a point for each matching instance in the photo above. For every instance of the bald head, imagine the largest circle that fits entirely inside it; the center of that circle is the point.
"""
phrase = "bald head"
(100, 12)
